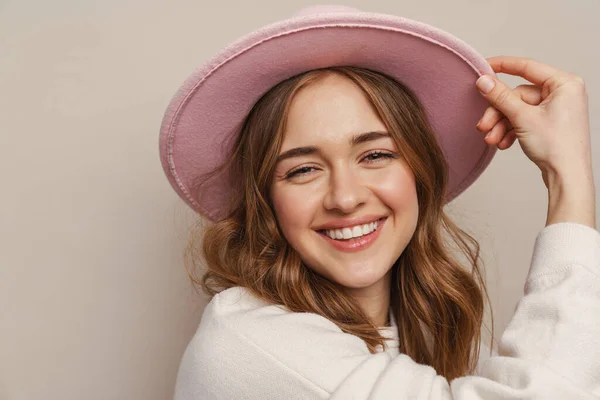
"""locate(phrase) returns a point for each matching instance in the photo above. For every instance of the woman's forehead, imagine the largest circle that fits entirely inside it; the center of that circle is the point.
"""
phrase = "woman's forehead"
(334, 111)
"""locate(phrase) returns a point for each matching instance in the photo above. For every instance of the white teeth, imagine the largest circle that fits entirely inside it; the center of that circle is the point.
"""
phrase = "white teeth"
(352, 232)
(366, 229)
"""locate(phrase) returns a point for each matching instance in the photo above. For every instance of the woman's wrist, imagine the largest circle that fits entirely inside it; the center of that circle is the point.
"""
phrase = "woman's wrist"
(571, 196)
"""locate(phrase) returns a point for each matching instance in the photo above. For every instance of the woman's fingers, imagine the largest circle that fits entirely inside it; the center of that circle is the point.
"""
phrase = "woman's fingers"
(534, 71)
(503, 98)
(530, 94)
(498, 132)
(508, 140)
(490, 117)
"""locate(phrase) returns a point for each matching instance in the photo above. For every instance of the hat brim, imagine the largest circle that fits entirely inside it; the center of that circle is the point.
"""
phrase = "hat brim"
(439, 68)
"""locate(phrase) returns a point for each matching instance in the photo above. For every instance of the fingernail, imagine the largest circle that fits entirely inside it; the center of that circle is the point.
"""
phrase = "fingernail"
(485, 84)
(488, 134)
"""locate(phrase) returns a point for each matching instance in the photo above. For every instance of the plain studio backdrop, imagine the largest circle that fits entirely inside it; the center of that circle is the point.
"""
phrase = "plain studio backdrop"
(95, 303)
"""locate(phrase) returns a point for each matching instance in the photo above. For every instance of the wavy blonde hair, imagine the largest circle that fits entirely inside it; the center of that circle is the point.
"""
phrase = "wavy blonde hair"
(438, 304)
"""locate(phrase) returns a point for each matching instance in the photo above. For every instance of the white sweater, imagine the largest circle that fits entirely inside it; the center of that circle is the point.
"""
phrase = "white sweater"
(247, 349)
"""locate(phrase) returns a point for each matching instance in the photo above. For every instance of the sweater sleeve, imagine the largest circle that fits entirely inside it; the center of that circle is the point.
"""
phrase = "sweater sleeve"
(246, 349)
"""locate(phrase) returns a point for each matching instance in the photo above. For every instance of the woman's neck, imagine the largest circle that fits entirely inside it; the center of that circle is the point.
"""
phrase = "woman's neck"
(375, 301)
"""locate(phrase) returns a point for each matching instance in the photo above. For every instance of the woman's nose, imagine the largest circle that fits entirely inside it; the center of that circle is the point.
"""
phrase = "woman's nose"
(346, 192)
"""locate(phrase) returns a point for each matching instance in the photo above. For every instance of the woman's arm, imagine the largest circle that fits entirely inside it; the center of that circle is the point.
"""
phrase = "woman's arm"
(571, 196)
(551, 347)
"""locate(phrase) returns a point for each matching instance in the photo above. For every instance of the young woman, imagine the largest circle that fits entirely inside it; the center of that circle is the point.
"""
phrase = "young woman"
(331, 264)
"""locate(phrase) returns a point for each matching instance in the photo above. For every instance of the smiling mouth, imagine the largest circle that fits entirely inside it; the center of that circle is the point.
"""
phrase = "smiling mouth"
(354, 233)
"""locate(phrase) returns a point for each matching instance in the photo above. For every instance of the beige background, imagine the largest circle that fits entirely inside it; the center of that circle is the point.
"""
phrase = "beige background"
(94, 300)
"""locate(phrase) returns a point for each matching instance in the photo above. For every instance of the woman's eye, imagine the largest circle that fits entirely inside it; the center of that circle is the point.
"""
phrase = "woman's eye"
(299, 171)
(378, 155)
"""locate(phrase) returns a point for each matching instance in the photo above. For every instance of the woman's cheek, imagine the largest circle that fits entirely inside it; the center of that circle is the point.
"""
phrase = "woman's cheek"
(394, 183)
(293, 206)
(385, 177)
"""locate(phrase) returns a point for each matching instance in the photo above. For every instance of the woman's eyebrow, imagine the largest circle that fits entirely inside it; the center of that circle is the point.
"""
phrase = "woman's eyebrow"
(297, 151)
(367, 137)
(356, 140)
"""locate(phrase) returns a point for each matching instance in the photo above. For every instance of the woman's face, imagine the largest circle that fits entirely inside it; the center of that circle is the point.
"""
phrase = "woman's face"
(344, 198)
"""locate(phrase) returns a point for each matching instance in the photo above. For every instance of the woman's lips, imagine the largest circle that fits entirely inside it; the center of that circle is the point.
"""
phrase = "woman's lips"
(355, 244)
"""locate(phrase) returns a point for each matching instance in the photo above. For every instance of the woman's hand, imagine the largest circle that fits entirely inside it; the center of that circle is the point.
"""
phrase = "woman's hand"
(549, 118)
(551, 121)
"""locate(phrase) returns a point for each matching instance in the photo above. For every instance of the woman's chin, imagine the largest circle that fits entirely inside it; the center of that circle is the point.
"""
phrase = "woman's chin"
(359, 281)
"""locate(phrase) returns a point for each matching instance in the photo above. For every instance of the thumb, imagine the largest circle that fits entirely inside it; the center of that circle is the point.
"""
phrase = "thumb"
(500, 96)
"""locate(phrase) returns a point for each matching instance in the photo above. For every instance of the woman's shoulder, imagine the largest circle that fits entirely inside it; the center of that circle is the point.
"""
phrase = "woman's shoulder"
(238, 314)
(246, 347)
(237, 297)
(239, 303)
(240, 309)
(239, 342)
(242, 338)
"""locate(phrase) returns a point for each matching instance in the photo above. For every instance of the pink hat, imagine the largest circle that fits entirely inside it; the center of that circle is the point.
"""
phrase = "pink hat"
(210, 105)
